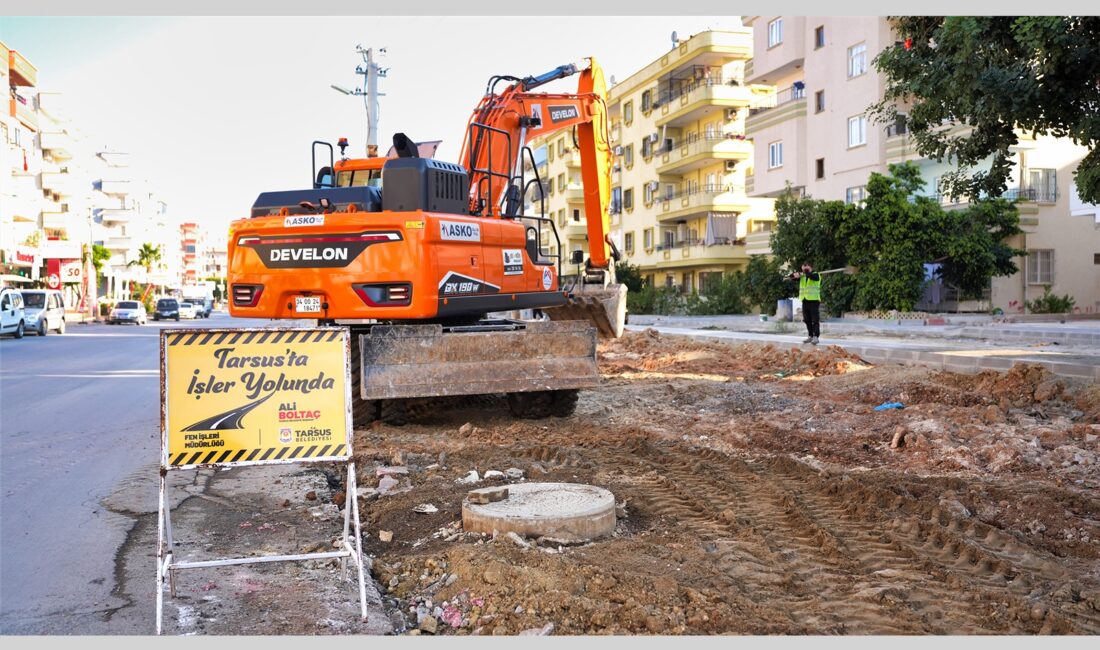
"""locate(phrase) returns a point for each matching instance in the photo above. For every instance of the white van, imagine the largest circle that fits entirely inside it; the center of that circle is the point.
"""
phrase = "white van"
(45, 309)
(12, 319)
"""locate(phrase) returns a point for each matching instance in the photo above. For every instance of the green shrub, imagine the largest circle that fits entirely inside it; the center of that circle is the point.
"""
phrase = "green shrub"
(1049, 303)
(724, 296)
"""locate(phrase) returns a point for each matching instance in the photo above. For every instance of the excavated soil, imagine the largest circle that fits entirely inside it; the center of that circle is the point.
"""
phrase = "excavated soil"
(759, 493)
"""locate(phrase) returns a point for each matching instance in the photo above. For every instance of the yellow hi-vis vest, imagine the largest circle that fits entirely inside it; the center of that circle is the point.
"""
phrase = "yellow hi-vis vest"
(809, 289)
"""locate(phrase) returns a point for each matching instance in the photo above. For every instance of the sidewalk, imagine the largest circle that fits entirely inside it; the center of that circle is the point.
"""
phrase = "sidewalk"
(1082, 362)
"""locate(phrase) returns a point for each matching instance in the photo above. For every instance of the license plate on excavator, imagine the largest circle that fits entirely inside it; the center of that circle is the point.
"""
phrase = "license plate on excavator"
(307, 304)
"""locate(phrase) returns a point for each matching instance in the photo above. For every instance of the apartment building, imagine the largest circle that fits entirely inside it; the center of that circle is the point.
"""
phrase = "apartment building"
(679, 209)
(812, 134)
(20, 166)
(191, 252)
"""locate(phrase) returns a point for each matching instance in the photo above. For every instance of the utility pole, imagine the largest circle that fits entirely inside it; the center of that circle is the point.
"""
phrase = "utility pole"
(371, 73)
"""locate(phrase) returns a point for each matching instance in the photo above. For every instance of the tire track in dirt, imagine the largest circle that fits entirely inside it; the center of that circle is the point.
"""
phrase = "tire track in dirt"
(825, 554)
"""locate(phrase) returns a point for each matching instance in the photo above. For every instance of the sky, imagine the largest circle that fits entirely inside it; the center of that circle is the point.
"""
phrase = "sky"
(216, 110)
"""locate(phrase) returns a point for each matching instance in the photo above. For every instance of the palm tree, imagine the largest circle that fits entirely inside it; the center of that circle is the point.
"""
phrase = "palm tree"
(148, 255)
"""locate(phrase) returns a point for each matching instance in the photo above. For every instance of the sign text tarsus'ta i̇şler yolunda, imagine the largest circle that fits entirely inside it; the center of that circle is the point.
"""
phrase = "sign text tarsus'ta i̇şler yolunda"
(256, 383)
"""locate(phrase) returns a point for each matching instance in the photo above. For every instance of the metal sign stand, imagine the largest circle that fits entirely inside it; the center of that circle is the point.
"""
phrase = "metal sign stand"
(167, 565)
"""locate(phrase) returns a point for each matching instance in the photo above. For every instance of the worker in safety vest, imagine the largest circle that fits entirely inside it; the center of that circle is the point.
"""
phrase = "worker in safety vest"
(809, 292)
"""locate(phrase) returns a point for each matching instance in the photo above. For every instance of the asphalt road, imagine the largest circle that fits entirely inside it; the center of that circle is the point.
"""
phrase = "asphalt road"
(79, 439)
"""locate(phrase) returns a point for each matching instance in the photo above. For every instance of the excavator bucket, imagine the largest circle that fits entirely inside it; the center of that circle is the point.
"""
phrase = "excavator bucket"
(604, 307)
(406, 361)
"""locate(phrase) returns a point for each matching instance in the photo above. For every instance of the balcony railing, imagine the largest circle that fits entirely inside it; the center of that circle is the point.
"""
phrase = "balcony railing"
(695, 241)
(702, 190)
(1028, 194)
(793, 93)
(684, 87)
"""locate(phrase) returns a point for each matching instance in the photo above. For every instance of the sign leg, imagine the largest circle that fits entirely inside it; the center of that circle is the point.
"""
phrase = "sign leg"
(354, 500)
(161, 554)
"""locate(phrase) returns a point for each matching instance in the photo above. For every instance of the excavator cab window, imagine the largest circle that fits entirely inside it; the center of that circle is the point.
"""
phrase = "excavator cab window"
(359, 178)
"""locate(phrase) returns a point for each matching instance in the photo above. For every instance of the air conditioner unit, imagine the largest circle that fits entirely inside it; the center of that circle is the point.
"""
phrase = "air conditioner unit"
(618, 150)
(653, 137)
(652, 185)
(731, 165)
(731, 113)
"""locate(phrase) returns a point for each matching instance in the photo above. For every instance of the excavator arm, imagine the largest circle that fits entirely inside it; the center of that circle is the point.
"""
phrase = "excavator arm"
(492, 151)
(504, 123)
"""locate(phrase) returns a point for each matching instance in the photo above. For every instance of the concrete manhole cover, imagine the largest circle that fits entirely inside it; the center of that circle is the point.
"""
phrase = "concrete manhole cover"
(566, 510)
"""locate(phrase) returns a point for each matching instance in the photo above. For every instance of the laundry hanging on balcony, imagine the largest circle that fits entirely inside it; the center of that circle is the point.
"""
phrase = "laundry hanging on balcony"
(721, 228)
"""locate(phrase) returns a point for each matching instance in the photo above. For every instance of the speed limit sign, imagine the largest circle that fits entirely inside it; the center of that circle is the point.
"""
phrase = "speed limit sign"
(54, 281)
(72, 272)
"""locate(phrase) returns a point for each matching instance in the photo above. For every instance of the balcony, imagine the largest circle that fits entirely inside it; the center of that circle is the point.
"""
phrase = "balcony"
(22, 108)
(574, 192)
(114, 188)
(58, 144)
(722, 198)
(118, 243)
(573, 230)
(117, 215)
(21, 71)
(700, 99)
(115, 158)
(776, 108)
(49, 103)
(57, 219)
(690, 154)
(759, 243)
(689, 252)
(750, 183)
(59, 182)
(571, 158)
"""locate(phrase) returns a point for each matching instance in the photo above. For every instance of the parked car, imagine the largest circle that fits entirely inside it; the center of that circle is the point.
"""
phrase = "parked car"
(12, 318)
(167, 308)
(45, 309)
(188, 310)
(127, 311)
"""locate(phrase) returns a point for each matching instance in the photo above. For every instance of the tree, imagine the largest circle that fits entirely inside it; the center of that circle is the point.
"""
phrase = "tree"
(995, 74)
(891, 237)
(764, 285)
(100, 254)
(630, 275)
(148, 256)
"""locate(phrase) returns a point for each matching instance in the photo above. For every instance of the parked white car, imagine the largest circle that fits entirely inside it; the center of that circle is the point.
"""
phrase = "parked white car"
(12, 319)
(127, 311)
(188, 310)
(45, 309)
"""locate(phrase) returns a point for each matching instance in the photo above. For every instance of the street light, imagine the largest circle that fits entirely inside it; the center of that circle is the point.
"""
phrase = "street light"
(345, 90)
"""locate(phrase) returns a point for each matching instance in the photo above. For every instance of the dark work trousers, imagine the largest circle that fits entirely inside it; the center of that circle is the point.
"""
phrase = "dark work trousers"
(811, 313)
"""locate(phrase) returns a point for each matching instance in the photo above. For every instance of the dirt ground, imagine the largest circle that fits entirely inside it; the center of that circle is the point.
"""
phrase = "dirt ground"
(760, 493)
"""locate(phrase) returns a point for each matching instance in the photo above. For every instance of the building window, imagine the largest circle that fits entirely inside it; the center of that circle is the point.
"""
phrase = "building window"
(857, 131)
(857, 60)
(550, 186)
(628, 199)
(550, 153)
(819, 168)
(561, 147)
(855, 195)
(670, 191)
(628, 242)
(576, 215)
(819, 101)
(628, 112)
(1040, 267)
(775, 32)
(647, 101)
(1042, 185)
(647, 239)
(561, 182)
(670, 239)
(649, 193)
(628, 156)
(819, 37)
(775, 155)
(616, 200)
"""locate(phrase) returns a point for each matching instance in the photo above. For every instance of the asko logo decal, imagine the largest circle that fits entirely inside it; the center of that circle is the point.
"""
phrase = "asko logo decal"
(459, 231)
(562, 113)
(456, 284)
(304, 220)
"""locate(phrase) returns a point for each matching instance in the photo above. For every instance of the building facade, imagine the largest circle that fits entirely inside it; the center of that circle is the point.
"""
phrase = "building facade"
(814, 136)
(679, 208)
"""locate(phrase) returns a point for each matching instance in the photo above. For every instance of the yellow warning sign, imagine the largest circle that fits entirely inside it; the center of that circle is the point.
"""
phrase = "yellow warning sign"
(254, 396)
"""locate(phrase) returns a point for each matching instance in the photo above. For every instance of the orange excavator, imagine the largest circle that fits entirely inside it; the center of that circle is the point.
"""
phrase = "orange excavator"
(420, 266)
